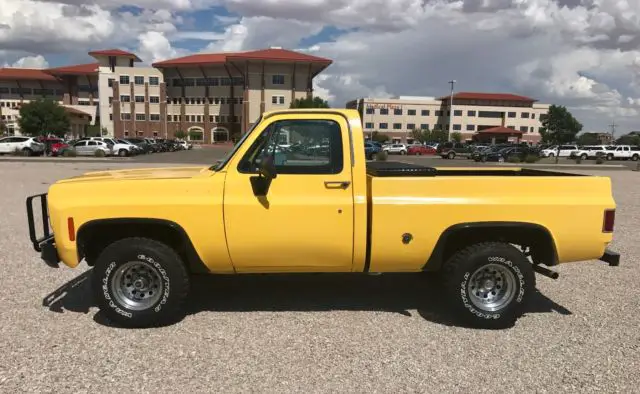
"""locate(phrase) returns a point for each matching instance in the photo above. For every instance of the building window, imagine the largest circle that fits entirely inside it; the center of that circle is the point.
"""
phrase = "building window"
(154, 117)
(438, 113)
(125, 116)
(384, 126)
(512, 114)
(138, 80)
(154, 99)
(277, 79)
(176, 118)
(533, 116)
(524, 115)
(110, 82)
(523, 128)
(368, 125)
(424, 126)
(424, 112)
(237, 81)
(126, 133)
(155, 133)
(397, 111)
(124, 80)
(397, 126)
(471, 113)
(384, 111)
(125, 98)
(154, 81)
(457, 127)
(411, 112)
(370, 111)
(139, 99)
(111, 117)
(277, 100)
(141, 117)
(457, 112)
(411, 126)
(471, 127)
(531, 130)
(490, 114)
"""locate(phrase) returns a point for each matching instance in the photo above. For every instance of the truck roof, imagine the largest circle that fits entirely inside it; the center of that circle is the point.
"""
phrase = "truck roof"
(349, 113)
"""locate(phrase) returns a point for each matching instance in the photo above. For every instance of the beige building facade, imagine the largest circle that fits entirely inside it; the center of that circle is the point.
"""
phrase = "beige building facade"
(209, 97)
(475, 116)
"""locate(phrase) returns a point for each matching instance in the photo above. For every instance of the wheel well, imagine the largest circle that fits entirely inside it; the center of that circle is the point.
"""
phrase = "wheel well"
(526, 235)
(94, 236)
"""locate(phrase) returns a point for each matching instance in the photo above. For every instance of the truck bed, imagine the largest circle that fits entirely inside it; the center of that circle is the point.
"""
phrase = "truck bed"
(400, 169)
(424, 202)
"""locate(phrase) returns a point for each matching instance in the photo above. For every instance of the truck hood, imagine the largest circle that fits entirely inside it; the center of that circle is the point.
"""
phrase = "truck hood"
(139, 174)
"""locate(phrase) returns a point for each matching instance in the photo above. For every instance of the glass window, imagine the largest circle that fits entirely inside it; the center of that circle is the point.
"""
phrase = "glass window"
(397, 126)
(139, 99)
(384, 126)
(319, 148)
(124, 79)
(411, 112)
(138, 80)
(457, 112)
(424, 112)
(384, 111)
(154, 81)
(277, 79)
(397, 111)
(370, 111)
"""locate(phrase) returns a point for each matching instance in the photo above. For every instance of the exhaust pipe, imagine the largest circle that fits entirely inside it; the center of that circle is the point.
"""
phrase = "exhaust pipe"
(546, 272)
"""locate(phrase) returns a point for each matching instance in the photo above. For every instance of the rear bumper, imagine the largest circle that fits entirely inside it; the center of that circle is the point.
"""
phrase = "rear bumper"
(610, 257)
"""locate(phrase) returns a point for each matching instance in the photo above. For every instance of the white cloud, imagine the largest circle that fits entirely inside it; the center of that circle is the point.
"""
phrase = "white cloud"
(37, 62)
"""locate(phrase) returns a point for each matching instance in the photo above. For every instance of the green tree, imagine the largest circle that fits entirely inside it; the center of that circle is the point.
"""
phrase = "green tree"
(309, 102)
(42, 117)
(422, 135)
(179, 134)
(93, 130)
(377, 137)
(588, 139)
(559, 126)
(456, 136)
(3, 127)
(629, 139)
(439, 135)
(195, 135)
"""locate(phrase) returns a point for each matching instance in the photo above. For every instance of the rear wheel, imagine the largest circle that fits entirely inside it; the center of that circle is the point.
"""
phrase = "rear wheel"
(635, 157)
(451, 155)
(583, 156)
(122, 152)
(489, 284)
(140, 282)
(610, 156)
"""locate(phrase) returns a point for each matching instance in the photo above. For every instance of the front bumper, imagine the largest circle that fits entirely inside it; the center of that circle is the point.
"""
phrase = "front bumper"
(610, 257)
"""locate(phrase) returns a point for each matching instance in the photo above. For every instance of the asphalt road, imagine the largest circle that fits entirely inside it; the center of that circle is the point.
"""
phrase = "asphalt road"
(313, 333)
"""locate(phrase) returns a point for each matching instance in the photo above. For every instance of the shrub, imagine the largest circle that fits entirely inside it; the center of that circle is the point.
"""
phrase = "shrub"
(599, 160)
(531, 158)
(513, 159)
(69, 153)
(382, 155)
(578, 160)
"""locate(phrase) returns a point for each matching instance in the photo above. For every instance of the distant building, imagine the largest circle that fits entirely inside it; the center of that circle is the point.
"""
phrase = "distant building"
(209, 96)
(602, 138)
(477, 116)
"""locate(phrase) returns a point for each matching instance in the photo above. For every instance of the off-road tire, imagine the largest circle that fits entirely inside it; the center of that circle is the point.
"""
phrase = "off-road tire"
(461, 268)
(172, 277)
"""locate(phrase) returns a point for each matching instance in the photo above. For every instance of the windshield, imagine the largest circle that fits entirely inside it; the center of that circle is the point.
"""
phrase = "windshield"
(221, 163)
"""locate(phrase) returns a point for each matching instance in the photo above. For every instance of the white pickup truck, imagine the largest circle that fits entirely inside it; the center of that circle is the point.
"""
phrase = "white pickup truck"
(560, 151)
(622, 152)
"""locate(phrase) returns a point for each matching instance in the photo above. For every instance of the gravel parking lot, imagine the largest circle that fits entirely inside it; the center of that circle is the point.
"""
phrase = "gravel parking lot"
(314, 333)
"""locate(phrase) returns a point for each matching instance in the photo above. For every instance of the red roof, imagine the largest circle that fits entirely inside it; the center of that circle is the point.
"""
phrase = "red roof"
(80, 69)
(272, 54)
(500, 130)
(13, 74)
(115, 52)
(488, 96)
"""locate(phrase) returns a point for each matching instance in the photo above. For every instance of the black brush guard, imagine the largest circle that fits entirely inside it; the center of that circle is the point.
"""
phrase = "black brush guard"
(46, 243)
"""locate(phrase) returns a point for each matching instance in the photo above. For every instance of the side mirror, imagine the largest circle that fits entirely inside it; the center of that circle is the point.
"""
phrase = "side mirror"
(268, 168)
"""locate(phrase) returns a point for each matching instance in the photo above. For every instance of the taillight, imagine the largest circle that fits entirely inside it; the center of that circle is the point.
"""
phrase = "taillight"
(72, 229)
(608, 221)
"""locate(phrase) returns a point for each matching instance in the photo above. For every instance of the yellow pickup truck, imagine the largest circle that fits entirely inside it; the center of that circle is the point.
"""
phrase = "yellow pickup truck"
(297, 195)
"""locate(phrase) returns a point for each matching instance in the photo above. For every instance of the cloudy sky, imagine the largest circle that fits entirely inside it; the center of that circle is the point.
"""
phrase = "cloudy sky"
(584, 54)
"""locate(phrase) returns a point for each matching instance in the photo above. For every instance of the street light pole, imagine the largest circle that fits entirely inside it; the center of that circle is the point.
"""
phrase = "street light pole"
(452, 83)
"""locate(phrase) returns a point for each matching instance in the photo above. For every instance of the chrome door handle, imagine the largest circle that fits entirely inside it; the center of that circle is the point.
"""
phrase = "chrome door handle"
(337, 184)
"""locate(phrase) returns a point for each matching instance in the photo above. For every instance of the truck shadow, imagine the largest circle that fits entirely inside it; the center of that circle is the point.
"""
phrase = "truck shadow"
(394, 293)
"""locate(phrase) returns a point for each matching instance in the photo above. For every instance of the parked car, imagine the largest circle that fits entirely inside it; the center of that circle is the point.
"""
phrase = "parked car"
(371, 149)
(145, 232)
(92, 148)
(141, 143)
(419, 150)
(501, 155)
(560, 151)
(400, 149)
(118, 147)
(449, 150)
(28, 146)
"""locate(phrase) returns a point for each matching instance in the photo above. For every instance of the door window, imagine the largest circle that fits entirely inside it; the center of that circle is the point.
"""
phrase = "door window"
(312, 147)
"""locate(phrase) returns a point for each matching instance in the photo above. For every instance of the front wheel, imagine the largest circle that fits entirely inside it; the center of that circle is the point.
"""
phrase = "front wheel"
(451, 155)
(583, 156)
(403, 152)
(489, 284)
(635, 157)
(140, 282)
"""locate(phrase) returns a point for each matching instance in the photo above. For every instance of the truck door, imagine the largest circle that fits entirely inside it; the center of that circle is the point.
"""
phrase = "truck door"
(304, 222)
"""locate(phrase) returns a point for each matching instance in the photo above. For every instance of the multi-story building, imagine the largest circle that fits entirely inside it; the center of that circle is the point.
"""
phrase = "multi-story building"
(210, 97)
(480, 116)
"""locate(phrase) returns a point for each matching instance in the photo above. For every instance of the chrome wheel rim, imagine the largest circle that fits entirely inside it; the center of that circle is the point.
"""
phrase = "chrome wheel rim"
(137, 285)
(491, 287)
